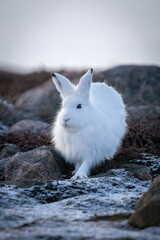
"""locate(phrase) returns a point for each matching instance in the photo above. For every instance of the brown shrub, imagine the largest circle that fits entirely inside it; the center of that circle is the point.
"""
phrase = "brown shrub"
(26, 141)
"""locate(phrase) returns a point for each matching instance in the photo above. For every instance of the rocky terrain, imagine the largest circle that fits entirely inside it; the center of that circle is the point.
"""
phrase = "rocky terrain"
(38, 200)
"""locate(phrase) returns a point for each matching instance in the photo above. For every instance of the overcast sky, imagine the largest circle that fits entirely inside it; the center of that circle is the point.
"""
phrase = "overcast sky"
(79, 33)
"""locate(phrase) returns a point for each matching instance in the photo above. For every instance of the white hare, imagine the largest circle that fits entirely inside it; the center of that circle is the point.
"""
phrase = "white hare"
(90, 124)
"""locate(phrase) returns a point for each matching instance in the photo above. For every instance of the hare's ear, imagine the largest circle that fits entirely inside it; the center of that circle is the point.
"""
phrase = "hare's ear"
(84, 85)
(63, 85)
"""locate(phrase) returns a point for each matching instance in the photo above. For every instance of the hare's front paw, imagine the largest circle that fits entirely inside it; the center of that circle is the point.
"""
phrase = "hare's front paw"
(79, 175)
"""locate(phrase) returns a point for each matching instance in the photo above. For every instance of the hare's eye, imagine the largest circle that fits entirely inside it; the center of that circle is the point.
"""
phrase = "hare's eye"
(79, 105)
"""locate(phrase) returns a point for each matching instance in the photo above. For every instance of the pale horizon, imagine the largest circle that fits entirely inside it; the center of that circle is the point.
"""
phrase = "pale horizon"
(78, 34)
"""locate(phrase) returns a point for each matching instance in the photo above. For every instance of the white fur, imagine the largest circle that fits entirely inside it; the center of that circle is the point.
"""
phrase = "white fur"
(94, 132)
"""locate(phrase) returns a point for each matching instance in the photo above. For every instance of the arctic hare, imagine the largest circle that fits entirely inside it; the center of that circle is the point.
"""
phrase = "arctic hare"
(90, 124)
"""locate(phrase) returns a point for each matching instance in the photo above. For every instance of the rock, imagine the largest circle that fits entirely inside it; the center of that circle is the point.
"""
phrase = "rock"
(9, 150)
(124, 238)
(37, 164)
(3, 164)
(6, 113)
(153, 191)
(50, 191)
(139, 85)
(148, 207)
(139, 171)
(20, 159)
(27, 125)
(3, 129)
(112, 218)
(39, 103)
(144, 111)
(149, 160)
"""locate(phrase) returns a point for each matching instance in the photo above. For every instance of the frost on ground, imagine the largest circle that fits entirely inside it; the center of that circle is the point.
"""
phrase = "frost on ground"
(96, 208)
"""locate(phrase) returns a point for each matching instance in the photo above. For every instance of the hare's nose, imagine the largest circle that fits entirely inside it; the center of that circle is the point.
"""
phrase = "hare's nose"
(66, 120)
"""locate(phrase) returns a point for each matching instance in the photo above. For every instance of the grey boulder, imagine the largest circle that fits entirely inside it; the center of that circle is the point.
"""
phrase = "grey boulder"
(148, 207)
(39, 103)
(28, 125)
(139, 171)
(37, 164)
(9, 150)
